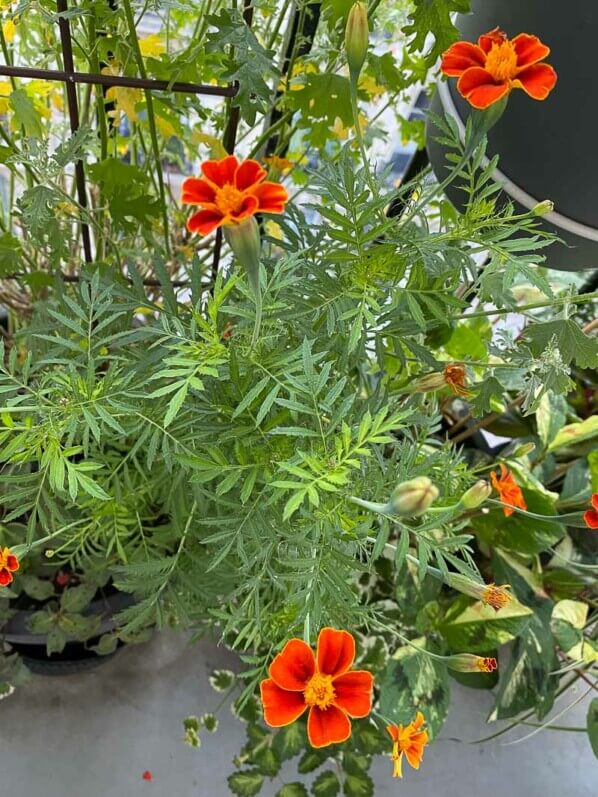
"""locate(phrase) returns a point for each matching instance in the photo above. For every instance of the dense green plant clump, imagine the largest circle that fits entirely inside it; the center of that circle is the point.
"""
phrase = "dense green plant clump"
(245, 485)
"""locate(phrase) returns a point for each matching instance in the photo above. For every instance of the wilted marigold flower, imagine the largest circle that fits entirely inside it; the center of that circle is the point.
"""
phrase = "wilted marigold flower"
(467, 662)
(9, 564)
(590, 517)
(508, 490)
(324, 684)
(456, 377)
(409, 740)
(490, 69)
(490, 594)
(230, 192)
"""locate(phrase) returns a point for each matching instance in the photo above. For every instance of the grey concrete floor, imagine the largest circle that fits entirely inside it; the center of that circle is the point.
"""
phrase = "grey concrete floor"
(93, 735)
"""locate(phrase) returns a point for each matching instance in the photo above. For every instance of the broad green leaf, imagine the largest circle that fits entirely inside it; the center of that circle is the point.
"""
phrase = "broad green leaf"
(75, 599)
(326, 784)
(477, 628)
(292, 790)
(245, 784)
(573, 344)
(414, 682)
(358, 785)
(289, 741)
(434, 17)
(526, 682)
(519, 533)
(25, 113)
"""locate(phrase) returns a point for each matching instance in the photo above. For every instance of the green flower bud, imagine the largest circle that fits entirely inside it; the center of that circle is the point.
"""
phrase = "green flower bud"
(356, 38)
(544, 207)
(413, 497)
(244, 240)
(476, 495)
(429, 382)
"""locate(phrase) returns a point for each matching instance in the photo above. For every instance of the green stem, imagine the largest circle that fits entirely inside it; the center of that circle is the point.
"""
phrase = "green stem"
(134, 42)
(359, 136)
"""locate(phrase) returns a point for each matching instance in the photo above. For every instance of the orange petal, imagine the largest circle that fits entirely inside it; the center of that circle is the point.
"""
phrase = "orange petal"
(393, 732)
(272, 197)
(336, 651)
(280, 706)
(205, 221)
(529, 49)
(418, 721)
(327, 726)
(486, 40)
(294, 665)
(537, 80)
(196, 191)
(479, 89)
(590, 518)
(414, 756)
(248, 174)
(221, 172)
(353, 692)
(595, 501)
(249, 206)
(12, 563)
(461, 56)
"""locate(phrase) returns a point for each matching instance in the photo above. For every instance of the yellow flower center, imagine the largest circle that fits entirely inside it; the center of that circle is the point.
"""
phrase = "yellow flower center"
(494, 596)
(319, 691)
(501, 62)
(229, 199)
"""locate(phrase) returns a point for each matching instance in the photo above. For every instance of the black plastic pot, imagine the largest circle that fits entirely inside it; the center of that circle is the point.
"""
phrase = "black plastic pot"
(547, 149)
(76, 656)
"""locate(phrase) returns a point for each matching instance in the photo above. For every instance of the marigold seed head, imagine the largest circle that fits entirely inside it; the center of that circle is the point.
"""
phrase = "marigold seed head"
(467, 662)
(490, 594)
(413, 497)
(429, 383)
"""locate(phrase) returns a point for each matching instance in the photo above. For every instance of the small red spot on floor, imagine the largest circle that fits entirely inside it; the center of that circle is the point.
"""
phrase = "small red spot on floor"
(147, 775)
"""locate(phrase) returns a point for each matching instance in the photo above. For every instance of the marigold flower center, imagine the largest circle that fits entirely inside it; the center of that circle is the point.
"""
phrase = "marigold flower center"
(229, 199)
(497, 597)
(487, 664)
(319, 691)
(501, 62)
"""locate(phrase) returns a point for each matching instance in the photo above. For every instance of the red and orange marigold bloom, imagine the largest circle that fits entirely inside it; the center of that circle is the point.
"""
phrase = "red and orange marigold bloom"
(9, 564)
(324, 683)
(229, 192)
(489, 70)
(508, 490)
(590, 517)
(409, 740)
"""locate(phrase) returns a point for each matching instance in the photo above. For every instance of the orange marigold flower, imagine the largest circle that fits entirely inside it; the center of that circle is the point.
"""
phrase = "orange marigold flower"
(9, 564)
(230, 192)
(508, 490)
(409, 740)
(590, 517)
(490, 69)
(456, 377)
(323, 683)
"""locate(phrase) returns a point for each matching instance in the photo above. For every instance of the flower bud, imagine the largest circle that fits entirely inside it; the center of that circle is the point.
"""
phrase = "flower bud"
(356, 38)
(490, 594)
(413, 497)
(467, 662)
(476, 495)
(244, 240)
(544, 207)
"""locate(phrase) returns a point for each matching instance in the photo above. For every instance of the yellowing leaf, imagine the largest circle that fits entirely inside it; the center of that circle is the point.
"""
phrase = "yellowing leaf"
(5, 90)
(273, 229)
(216, 147)
(152, 45)
(575, 433)
(165, 126)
